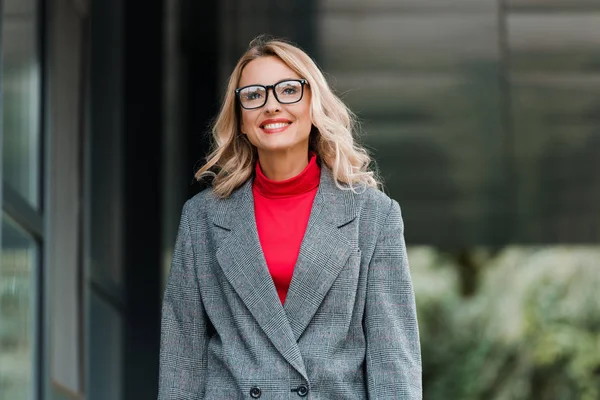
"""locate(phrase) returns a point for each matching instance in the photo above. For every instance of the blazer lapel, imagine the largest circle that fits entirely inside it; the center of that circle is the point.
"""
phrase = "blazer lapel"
(242, 261)
(323, 253)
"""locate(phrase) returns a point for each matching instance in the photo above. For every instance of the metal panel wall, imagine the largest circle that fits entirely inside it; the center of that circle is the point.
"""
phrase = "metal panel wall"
(425, 79)
(482, 115)
(555, 105)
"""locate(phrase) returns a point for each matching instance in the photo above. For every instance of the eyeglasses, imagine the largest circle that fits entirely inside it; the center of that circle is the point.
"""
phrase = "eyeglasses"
(286, 92)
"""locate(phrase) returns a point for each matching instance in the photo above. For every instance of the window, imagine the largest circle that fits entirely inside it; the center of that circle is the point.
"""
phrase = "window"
(19, 259)
(21, 235)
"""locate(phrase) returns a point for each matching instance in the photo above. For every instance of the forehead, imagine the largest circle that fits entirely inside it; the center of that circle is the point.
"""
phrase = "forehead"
(266, 71)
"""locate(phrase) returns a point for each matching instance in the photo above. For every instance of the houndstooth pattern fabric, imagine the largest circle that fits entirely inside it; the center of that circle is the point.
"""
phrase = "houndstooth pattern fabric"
(348, 328)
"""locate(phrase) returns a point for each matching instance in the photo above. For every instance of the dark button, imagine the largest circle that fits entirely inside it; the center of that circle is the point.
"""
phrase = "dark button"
(302, 390)
(255, 392)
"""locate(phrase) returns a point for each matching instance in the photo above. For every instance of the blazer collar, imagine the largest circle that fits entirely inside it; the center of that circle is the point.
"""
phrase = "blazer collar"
(339, 202)
(323, 254)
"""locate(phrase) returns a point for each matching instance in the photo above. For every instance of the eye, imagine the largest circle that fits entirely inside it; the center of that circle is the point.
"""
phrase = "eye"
(251, 94)
(288, 88)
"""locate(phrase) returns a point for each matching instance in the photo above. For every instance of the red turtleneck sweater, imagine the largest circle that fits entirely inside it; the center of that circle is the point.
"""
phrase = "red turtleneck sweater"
(282, 209)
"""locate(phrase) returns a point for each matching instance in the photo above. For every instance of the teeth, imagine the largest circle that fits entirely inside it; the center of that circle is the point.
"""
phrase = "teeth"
(277, 125)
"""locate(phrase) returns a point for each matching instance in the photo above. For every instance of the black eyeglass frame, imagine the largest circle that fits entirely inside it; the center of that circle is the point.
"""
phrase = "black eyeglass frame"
(303, 82)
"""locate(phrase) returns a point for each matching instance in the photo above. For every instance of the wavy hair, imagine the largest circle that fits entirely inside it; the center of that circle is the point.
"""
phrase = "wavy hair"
(232, 158)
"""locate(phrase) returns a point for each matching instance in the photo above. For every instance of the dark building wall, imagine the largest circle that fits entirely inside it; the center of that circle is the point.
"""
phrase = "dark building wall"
(105, 286)
(125, 199)
(143, 129)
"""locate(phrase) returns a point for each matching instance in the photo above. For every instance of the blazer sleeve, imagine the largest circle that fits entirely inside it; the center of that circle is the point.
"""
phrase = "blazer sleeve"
(184, 323)
(393, 356)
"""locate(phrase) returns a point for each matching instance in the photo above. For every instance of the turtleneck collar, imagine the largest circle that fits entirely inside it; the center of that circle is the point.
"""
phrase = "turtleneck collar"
(304, 182)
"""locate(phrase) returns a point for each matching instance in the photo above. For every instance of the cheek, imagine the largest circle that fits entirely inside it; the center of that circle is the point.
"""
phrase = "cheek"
(305, 117)
(303, 114)
(246, 122)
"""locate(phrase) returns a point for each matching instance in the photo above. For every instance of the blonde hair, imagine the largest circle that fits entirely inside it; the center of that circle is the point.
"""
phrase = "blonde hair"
(232, 159)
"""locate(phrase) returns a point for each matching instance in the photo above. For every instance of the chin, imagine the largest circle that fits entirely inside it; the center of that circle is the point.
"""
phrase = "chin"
(277, 148)
(278, 141)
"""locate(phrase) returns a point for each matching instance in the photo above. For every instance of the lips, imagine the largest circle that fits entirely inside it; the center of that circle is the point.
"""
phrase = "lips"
(275, 125)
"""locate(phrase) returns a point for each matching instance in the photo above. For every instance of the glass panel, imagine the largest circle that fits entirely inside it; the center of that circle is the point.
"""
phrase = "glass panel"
(396, 97)
(396, 41)
(19, 6)
(19, 257)
(407, 5)
(553, 4)
(557, 143)
(423, 77)
(568, 41)
(545, 104)
(21, 99)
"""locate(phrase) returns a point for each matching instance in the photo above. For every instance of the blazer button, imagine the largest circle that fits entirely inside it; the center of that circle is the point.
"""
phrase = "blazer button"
(255, 392)
(302, 390)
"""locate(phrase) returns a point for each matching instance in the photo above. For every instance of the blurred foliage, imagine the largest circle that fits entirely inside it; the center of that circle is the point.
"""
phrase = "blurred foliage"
(531, 329)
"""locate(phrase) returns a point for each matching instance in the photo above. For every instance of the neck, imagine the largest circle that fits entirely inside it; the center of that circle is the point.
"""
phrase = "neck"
(282, 166)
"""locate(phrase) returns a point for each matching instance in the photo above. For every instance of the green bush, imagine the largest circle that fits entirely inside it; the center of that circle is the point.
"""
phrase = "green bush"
(531, 330)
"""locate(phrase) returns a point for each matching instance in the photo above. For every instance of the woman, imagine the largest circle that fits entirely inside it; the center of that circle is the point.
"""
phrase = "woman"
(289, 275)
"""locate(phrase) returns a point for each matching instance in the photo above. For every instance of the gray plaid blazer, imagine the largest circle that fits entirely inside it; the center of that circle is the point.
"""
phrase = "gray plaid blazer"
(347, 330)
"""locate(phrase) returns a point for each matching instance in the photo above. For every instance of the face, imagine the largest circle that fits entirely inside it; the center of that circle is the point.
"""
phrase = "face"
(275, 127)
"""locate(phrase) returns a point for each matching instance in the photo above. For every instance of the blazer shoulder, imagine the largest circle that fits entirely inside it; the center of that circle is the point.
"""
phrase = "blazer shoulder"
(196, 206)
(373, 201)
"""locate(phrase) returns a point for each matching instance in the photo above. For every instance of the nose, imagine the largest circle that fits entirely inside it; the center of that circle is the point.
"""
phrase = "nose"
(272, 105)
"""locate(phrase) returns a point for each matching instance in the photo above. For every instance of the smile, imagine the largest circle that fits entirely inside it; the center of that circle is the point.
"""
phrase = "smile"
(277, 125)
